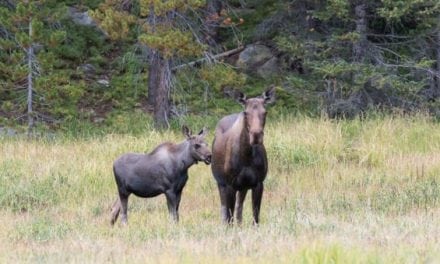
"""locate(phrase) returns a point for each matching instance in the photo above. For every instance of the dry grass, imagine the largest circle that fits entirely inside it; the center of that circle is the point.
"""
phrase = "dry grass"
(337, 192)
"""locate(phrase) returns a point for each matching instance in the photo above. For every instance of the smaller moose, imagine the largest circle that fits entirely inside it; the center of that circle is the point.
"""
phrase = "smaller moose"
(164, 170)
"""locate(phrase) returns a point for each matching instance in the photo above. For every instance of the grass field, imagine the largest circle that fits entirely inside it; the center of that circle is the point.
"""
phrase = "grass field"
(337, 192)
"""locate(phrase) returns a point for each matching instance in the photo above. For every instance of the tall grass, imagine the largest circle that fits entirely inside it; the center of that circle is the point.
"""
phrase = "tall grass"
(337, 192)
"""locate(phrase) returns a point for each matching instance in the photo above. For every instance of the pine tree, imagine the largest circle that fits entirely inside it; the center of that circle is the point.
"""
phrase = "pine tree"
(160, 28)
(355, 40)
(25, 25)
(418, 20)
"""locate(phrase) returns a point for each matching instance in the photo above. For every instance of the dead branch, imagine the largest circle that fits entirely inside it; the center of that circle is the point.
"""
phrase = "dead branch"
(217, 56)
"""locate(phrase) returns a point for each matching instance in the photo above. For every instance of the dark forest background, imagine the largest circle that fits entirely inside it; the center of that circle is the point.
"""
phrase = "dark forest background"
(97, 63)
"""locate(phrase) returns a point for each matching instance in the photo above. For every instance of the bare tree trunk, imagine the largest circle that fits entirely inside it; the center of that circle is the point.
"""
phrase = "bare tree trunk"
(437, 93)
(159, 78)
(30, 56)
(300, 7)
(153, 78)
(434, 80)
(213, 8)
(360, 46)
(162, 103)
(154, 61)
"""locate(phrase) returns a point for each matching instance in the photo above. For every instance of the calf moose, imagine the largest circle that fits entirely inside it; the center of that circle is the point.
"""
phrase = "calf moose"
(164, 170)
(239, 159)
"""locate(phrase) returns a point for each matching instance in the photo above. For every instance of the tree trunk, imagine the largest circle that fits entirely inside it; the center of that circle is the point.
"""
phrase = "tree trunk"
(299, 7)
(213, 8)
(153, 78)
(30, 56)
(162, 90)
(437, 93)
(159, 78)
(154, 61)
(361, 45)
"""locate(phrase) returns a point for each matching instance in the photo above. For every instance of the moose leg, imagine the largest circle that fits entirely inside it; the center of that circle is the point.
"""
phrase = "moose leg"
(178, 196)
(124, 201)
(227, 199)
(172, 202)
(116, 208)
(239, 205)
(257, 195)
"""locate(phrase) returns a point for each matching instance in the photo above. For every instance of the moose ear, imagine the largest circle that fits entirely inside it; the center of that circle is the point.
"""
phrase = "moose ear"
(203, 132)
(186, 131)
(269, 95)
(240, 97)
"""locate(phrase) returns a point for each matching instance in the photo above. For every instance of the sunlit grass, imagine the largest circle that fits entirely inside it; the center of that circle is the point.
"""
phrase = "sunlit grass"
(337, 192)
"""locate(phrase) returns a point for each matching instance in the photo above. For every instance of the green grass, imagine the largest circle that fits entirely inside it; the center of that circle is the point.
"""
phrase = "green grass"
(337, 192)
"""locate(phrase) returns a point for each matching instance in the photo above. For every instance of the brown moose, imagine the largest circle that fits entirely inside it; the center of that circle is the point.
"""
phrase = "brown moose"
(239, 160)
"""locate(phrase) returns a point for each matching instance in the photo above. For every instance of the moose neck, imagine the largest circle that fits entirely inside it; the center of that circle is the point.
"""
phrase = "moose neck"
(245, 150)
(184, 155)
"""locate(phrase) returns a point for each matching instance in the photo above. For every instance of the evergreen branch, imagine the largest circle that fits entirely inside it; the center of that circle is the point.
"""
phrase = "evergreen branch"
(189, 26)
(388, 36)
(428, 70)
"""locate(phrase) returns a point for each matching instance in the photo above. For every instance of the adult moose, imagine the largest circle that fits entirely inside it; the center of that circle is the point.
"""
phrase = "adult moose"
(164, 170)
(239, 161)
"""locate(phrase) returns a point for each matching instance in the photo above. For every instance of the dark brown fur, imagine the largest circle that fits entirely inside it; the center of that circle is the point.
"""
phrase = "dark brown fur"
(239, 160)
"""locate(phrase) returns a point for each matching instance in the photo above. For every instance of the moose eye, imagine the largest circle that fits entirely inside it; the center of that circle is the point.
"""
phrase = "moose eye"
(197, 146)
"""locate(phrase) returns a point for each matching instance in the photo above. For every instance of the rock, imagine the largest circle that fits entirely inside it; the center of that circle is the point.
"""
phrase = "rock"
(6, 131)
(104, 82)
(88, 69)
(98, 120)
(253, 57)
(81, 18)
(258, 59)
(269, 68)
(84, 19)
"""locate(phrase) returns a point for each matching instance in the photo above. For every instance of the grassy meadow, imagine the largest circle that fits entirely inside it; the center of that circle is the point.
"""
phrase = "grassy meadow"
(337, 192)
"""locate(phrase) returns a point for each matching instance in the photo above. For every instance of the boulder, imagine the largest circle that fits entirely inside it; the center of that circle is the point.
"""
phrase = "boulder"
(269, 68)
(81, 18)
(257, 59)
